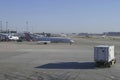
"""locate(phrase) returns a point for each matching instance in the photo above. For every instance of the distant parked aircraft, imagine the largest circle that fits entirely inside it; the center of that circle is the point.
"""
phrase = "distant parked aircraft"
(45, 40)
(8, 37)
(14, 38)
(4, 37)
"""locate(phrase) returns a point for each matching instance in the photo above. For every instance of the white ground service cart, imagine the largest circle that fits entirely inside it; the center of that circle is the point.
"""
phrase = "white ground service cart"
(104, 55)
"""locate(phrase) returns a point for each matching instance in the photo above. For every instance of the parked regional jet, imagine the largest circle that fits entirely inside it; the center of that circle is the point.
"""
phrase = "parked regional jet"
(14, 38)
(46, 40)
(8, 37)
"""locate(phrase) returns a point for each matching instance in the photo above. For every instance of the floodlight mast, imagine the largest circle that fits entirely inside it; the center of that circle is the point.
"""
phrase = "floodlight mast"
(6, 26)
(1, 26)
(26, 26)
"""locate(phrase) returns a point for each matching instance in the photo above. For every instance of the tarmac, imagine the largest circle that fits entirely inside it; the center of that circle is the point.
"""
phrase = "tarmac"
(56, 61)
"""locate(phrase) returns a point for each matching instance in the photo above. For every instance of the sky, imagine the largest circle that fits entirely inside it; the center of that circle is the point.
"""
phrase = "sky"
(61, 16)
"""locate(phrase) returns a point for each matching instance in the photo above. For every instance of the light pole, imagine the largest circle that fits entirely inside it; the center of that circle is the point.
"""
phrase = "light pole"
(27, 26)
(6, 26)
(1, 26)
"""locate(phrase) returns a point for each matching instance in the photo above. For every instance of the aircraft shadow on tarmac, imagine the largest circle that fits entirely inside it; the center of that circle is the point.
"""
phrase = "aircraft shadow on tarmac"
(68, 65)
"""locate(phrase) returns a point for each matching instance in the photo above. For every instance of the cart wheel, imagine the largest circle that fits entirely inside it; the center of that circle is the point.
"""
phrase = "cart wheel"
(109, 64)
(114, 61)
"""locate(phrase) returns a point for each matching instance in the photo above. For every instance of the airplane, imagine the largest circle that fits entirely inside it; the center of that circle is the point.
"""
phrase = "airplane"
(13, 37)
(46, 40)
(4, 37)
(8, 37)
